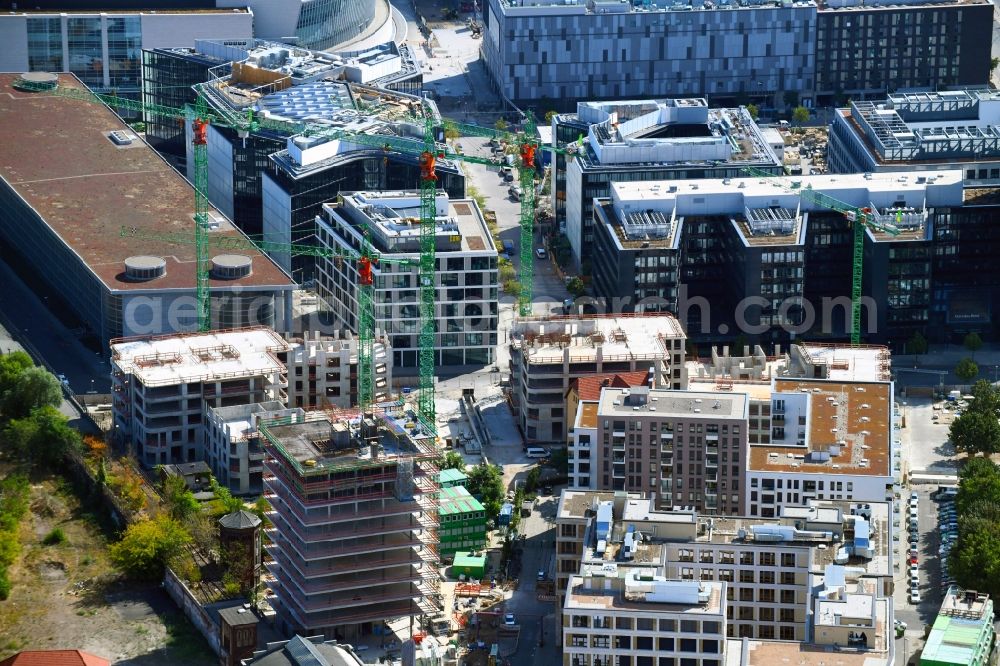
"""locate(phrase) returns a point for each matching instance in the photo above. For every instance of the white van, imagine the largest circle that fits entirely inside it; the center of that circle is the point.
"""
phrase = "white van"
(537, 452)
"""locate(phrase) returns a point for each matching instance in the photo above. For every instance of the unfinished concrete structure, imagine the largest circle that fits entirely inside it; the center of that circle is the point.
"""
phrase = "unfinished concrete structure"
(162, 387)
(232, 445)
(323, 370)
(548, 353)
(354, 540)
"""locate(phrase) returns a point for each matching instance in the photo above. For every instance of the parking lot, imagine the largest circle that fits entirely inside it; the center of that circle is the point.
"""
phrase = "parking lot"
(930, 540)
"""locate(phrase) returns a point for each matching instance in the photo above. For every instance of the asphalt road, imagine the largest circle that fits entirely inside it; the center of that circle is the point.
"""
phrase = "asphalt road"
(536, 618)
(46, 336)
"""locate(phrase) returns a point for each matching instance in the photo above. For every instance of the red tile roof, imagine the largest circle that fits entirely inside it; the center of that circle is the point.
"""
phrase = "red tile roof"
(54, 658)
(589, 387)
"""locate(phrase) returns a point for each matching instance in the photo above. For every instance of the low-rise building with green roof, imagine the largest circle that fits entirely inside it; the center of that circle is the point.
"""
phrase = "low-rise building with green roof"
(463, 522)
(449, 478)
(963, 631)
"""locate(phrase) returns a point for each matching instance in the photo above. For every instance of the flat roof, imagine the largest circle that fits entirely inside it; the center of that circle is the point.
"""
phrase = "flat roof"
(57, 156)
(579, 596)
(452, 475)
(745, 652)
(678, 404)
(846, 363)
(200, 357)
(587, 415)
(854, 416)
(457, 500)
(574, 504)
(618, 336)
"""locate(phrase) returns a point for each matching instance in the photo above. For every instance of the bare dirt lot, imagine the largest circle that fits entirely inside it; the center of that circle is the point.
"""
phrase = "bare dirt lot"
(68, 595)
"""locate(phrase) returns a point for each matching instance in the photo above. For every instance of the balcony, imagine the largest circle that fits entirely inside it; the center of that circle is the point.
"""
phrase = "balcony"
(290, 559)
(347, 548)
(349, 582)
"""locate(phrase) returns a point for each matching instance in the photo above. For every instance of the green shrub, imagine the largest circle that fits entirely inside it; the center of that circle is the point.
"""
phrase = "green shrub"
(55, 537)
(4, 585)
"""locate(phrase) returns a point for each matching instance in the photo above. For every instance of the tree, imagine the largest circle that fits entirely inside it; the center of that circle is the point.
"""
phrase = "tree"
(559, 460)
(512, 287)
(917, 343)
(126, 485)
(33, 388)
(973, 343)
(975, 559)
(976, 432)
(979, 481)
(576, 286)
(985, 398)
(11, 367)
(181, 502)
(148, 546)
(994, 62)
(44, 436)
(224, 499)
(531, 482)
(966, 370)
(452, 460)
(486, 483)
(800, 115)
(753, 111)
(500, 124)
(549, 115)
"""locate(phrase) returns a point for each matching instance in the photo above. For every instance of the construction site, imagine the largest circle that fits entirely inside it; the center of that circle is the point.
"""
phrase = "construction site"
(355, 519)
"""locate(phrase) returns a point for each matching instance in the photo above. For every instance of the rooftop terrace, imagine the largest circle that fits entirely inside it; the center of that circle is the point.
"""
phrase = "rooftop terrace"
(747, 652)
(659, 596)
(87, 188)
(676, 404)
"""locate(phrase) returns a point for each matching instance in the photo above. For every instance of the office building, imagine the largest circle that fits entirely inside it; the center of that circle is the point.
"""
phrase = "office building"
(643, 140)
(917, 133)
(103, 47)
(162, 387)
(467, 292)
(354, 541)
(963, 633)
(69, 190)
(170, 75)
(232, 446)
(780, 576)
(759, 257)
(463, 522)
(323, 370)
(557, 52)
(548, 353)
(864, 48)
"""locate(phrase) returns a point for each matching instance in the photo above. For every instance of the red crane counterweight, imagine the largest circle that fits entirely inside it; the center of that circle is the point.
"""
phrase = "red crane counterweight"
(427, 165)
(200, 127)
(365, 271)
(528, 155)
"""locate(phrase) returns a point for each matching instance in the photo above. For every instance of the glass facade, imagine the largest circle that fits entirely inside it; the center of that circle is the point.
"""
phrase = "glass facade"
(167, 77)
(327, 23)
(45, 52)
(86, 50)
(124, 51)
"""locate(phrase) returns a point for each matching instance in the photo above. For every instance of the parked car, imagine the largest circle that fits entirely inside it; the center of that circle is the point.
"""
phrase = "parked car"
(914, 597)
(509, 620)
(541, 253)
(541, 574)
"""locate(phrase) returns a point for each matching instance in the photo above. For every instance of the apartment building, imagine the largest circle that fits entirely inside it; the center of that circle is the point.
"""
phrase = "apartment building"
(762, 258)
(775, 572)
(548, 353)
(641, 618)
(466, 275)
(163, 386)
(233, 449)
(963, 632)
(689, 448)
(355, 521)
(323, 370)
(906, 132)
(646, 140)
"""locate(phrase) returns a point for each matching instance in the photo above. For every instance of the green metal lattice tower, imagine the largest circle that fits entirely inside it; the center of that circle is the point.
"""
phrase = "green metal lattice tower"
(428, 269)
(860, 219)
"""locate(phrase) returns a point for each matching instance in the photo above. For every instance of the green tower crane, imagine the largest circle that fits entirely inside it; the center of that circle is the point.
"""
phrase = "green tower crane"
(860, 219)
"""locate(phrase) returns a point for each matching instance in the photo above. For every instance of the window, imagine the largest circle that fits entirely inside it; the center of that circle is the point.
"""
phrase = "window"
(767, 559)
(788, 559)
(712, 647)
(766, 614)
(746, 594)
(623, 623)
(623, 642)
(746, 613)
(746, 558)
(668, 625)
(787, 597)
(746, 575)
(690, 627)
(787, 633)
(644, 643)
(787, 578)
(767, 577)
(765, 596)
(787, 615)
(645, 624)
(689, 645)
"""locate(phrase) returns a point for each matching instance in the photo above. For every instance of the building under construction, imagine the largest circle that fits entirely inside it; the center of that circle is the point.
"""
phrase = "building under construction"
(354, 540)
